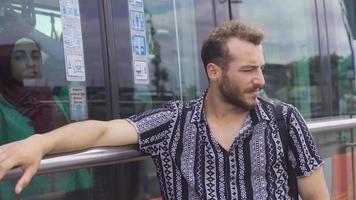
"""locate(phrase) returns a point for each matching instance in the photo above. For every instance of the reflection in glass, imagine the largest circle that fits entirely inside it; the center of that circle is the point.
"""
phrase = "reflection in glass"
(172, 58)
(295, 72)
(173, 71)
(341, 48)
(340, 16)
(24, 88)
(33, 89)
(290, 48)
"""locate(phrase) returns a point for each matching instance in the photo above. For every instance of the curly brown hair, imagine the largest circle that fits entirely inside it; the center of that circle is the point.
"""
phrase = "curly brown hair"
(214, 49)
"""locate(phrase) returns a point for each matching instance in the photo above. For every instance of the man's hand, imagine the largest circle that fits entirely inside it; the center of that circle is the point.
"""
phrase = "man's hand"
(26, 154)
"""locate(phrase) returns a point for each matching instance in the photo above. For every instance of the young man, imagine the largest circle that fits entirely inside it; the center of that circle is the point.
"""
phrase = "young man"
(224, 145)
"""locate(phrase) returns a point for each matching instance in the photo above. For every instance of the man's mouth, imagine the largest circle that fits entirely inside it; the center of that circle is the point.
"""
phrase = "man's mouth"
(254, 91)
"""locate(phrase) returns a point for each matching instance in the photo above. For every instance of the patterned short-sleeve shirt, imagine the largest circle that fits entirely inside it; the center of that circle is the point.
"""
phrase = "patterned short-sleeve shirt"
(192, 165)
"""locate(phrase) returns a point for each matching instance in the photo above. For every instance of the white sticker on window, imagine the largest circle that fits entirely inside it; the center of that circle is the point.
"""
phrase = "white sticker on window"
(72, 40)
(75, 66)
(78, 103)
(141, 72)
(138, 42)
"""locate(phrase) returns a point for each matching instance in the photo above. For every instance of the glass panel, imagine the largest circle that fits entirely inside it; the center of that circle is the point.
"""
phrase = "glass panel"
(339, 162)
(340, 17)
(173, 63)
(294, 73)
(172, 58)
(341, 40)
(188, 47)
(291, 50)
(34, 92)
(134, 180)
(135, 184)
(204, 24)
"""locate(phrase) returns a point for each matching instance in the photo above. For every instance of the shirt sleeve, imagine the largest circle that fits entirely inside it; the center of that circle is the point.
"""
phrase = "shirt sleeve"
(303, 152)
(153, 128)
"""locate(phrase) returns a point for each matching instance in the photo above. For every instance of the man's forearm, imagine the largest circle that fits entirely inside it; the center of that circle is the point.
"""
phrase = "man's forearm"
(28, 153)
(75, 136)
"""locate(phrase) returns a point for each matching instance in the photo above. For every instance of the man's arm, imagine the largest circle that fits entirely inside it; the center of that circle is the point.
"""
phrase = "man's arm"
(313, 187)
(28, 153)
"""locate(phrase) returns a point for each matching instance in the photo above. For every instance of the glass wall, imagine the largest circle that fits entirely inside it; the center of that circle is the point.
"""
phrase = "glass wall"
(341, 55)
(319, 82)
(173, 73)
(172, 57)
(292, 52)
(36, 96)
(290, 48)
(340, 17)
(174, 33)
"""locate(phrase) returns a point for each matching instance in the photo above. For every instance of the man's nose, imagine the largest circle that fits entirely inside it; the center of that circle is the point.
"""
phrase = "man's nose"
(259, 79)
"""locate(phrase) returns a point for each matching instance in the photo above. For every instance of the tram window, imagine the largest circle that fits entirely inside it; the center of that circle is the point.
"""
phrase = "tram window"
(174, 73)
(290, 48)
(173, 58)
(296, 72)
(31, 67)
(340, 19)
(34, 89)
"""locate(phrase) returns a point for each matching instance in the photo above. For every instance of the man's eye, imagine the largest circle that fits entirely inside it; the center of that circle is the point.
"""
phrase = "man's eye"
(248, 70)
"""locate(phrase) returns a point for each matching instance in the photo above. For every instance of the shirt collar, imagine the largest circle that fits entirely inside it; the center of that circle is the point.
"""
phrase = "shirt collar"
(258, 113)
(261, 110)
(198, 113)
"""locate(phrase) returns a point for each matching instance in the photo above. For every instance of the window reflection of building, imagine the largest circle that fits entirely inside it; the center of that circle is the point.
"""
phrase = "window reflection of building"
(22, 88)
(40, 20)
(11, 22)
(27, 107)
(161, 75)
(27, 101)
(312, 68)
(288, 50)
(341, 56)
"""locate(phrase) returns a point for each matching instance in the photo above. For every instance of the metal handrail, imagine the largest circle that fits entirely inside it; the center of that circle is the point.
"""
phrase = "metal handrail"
(84, 159)
(331, 125)
(113, 155)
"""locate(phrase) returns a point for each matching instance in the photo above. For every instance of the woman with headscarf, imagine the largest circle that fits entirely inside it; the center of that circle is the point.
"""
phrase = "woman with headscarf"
(20, 70)
(27, 106)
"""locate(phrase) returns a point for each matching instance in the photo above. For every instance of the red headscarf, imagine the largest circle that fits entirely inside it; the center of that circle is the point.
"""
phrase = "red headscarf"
(27, 101)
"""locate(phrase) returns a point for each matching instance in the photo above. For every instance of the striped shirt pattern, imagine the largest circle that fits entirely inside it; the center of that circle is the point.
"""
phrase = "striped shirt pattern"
(191, 164)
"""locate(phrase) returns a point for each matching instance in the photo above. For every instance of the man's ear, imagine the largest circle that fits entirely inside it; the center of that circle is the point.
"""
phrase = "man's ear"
(214, 72)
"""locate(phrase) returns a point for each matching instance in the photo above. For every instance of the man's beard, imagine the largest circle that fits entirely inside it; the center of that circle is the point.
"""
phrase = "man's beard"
(233, 94)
